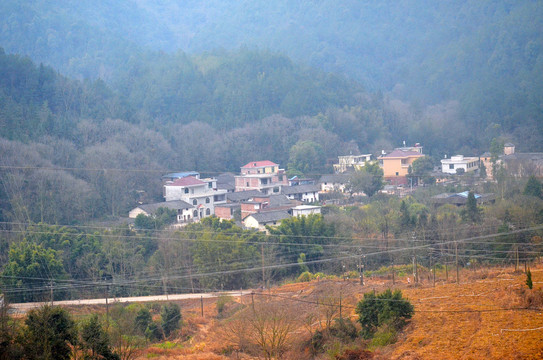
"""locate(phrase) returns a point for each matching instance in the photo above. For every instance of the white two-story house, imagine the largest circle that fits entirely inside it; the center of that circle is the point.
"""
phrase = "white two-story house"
(202, 194)
(456, 162)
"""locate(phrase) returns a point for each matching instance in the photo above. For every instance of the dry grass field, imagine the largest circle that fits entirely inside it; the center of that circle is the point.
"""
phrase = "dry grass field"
(486, 316)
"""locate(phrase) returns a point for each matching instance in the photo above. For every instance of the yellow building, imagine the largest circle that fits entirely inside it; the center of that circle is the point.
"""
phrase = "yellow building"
(396, 164)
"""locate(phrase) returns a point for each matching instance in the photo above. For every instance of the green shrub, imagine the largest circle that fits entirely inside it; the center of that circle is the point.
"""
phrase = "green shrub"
(384, 336)
(529, 282)
(344, 329)
(171, 317)
(222, 301)
(154, 332)
(305, 277)
(386, 308)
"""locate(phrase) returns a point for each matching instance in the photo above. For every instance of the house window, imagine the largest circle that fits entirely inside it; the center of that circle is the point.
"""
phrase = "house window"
(404, 161)
(207, 200)
(397, 173)
(186, 190)
(280, 177)
(195, 213)
(210, 185)
(208, 211)
(194, 202)
(451, 166)
(247, 184)
(275, 190)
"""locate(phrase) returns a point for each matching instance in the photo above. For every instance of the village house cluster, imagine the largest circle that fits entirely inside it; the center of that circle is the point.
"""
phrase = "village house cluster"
(262, 194)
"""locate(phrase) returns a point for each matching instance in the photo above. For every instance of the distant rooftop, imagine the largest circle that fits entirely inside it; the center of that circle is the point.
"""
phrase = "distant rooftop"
(257, 164)
(397, 153)
(186, 181)
(180, 175)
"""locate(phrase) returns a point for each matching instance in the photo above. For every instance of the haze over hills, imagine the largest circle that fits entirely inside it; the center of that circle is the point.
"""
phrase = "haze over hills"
(477, 62)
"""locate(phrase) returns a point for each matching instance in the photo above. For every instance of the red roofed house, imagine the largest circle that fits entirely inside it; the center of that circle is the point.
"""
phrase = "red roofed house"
(261, 175)
(395, 165)
(200, 193)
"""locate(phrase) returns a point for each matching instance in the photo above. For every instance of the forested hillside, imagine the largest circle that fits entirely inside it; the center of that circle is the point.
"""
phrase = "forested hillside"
(478, 63)
(211, 113)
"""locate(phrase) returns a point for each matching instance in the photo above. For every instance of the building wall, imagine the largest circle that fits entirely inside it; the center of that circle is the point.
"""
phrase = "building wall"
(305, 197)
(449, 166)
(224, 212)
(397, 167)
(244, 183)
(330, 186)
(260, 170)
(202, 197)
(306, 212)
(249, 208)
(135, 212)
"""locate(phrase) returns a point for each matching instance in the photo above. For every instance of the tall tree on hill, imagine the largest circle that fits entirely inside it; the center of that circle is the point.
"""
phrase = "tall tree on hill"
(533, 187)
(306, 157)
(50, 333)
(472, 213)
(368, 180)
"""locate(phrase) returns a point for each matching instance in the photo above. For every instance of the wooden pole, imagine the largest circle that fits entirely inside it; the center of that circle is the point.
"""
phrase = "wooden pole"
(202, 305)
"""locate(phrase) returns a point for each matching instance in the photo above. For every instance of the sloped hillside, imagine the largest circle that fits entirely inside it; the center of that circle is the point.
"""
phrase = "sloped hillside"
(466, 321)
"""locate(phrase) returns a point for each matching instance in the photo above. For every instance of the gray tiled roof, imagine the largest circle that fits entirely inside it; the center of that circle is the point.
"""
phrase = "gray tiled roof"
(242, 195)
(279, 200)
(298, 189)
(334, 178)
(270, 216)
(173, 205)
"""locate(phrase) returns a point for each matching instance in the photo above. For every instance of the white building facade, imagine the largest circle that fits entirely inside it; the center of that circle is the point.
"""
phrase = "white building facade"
(451, 166)
(202, 194)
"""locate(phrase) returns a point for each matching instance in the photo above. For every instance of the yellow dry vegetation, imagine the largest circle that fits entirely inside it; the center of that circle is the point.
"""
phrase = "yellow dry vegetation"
(467, 320)
(452, 321)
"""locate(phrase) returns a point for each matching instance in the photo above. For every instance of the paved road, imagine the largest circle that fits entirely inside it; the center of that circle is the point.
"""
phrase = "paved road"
(24, 307)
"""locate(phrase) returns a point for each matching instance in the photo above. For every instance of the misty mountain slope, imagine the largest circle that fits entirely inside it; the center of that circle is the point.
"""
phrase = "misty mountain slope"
(485, 55)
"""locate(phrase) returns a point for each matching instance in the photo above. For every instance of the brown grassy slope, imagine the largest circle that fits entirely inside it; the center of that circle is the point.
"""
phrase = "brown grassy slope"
(473, 335)
(436, 331)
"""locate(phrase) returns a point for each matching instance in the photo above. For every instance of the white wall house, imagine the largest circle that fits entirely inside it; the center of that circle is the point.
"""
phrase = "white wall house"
(184, 210)
(450, 166)
(260, 220)
(304, 193)
(347, 162)
(202, 194)
(305, 210)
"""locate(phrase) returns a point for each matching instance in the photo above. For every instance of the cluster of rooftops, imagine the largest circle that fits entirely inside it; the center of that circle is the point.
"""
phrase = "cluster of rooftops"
(261, 195)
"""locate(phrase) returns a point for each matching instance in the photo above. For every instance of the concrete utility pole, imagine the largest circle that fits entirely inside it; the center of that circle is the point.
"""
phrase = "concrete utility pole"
(516, 266)
(457, 270)
(393, 278)
(262, 262)
(361, 267)
(51, 288)
(107, 307)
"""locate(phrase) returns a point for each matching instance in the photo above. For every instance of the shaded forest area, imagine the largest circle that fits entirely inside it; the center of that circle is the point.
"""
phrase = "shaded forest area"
(88, 140)
(477, 65)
